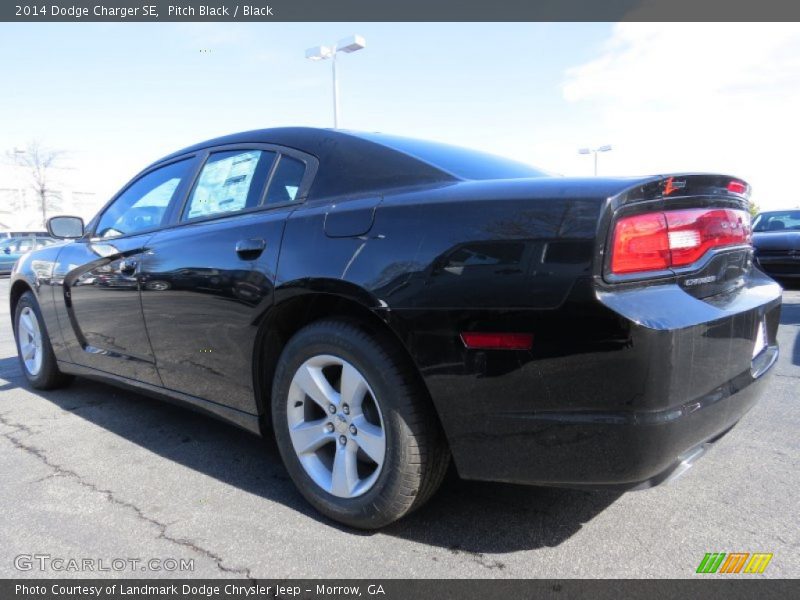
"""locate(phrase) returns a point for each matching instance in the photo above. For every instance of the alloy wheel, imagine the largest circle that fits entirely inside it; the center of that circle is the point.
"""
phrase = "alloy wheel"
(30, 340)
(336, 426)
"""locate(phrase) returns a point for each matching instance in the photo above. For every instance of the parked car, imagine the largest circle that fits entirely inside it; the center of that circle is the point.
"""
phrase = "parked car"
(14, 247)
(382, 303)
(776, 237)
(20, 233)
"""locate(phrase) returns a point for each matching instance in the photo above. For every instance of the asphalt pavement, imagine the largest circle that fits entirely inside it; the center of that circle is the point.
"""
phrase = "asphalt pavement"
(108, 476)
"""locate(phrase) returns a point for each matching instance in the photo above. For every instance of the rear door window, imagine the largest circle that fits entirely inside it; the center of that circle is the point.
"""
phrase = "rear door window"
(230, 181)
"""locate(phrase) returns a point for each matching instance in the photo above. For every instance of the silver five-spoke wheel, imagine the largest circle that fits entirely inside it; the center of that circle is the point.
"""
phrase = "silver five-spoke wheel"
(336, 426)
(354, 426)
(30, 340)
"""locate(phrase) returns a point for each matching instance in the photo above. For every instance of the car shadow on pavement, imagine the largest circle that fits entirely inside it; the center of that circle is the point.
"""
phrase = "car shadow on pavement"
(465, 517)
(480, 518)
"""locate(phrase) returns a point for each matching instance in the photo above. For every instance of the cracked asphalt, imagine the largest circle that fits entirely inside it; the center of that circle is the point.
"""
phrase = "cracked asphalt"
(100, 473)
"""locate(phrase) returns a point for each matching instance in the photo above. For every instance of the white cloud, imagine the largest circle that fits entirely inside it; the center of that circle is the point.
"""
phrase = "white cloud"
(698, 96)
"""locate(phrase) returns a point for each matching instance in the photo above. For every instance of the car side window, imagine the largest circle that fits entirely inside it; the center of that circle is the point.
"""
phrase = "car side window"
(285, 183)
(230, 181)
(143, 205)
(24, 245)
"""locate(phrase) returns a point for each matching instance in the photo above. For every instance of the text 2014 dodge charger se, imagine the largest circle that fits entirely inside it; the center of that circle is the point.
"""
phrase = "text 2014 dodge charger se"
(384, 303)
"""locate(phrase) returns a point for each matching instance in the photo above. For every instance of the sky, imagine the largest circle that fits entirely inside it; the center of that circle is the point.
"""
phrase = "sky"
(667, 97)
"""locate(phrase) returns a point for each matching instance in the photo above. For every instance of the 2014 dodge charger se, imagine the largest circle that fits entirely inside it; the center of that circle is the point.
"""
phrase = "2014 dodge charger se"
(384, 304)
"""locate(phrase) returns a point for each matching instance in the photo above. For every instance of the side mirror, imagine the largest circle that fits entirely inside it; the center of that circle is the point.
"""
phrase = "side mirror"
(65, 228)
(7, 250)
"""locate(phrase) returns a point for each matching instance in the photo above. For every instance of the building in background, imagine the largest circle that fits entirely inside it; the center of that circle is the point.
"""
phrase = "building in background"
(20, 205)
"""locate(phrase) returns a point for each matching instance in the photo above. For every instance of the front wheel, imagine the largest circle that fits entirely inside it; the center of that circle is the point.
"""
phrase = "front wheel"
(33, 346)
(354, 425)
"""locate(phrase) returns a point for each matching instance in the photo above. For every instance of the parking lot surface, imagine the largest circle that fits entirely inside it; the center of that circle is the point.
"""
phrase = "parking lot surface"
(93, 472)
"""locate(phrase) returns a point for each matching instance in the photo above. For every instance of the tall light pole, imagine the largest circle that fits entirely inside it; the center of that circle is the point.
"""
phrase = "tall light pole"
(594, 151)
(347, 45)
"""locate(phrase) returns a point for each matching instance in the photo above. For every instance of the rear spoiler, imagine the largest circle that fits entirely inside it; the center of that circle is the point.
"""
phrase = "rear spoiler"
(682, 185)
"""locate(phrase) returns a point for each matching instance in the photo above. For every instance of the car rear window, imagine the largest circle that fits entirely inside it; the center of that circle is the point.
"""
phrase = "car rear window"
(464, 163)
(286, 181)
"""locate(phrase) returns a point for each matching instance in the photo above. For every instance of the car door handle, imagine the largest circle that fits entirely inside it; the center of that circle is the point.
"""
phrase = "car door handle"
(250, 249)
(128, 266)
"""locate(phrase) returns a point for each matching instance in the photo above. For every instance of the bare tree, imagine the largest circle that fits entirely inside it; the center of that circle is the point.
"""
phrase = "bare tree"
(40, 162)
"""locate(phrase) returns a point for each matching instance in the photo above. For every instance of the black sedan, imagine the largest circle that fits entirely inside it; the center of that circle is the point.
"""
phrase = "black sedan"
(776, 237)
(383, 304)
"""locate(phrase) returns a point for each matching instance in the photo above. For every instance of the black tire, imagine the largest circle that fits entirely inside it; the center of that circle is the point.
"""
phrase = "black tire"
(416, 453)
(48, 376)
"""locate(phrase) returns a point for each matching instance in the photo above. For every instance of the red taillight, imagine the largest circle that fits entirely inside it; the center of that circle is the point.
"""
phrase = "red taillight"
(693, 232)
(640, 244)
(675, 238)
(475, 340)
(737, 187)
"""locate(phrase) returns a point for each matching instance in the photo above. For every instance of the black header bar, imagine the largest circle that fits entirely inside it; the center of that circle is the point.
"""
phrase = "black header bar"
(398, 10)
(702, 586)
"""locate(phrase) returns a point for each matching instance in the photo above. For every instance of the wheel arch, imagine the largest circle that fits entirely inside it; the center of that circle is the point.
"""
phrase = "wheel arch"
(18, 288)
(300, 308)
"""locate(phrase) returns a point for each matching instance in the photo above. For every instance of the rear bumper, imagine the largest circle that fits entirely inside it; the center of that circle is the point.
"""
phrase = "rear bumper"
(622, 450)
(625, 393)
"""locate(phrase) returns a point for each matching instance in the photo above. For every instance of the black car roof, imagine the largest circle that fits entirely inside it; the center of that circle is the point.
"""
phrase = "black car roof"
(348, 163)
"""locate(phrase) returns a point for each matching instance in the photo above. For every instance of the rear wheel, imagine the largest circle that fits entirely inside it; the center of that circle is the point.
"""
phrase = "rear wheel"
(354, 425)
(33, 346)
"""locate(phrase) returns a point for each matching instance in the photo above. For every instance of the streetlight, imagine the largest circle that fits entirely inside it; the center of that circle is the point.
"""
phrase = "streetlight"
(348, 45)
(594, 151)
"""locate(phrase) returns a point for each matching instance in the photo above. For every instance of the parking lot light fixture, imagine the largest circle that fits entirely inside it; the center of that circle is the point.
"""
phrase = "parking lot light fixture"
(318, 53)
(595, 151)
(347, 45)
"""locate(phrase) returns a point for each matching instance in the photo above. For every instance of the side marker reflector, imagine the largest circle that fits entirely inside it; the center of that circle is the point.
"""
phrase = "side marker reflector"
(475, 340)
